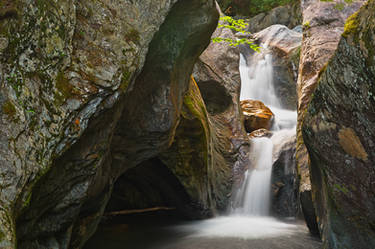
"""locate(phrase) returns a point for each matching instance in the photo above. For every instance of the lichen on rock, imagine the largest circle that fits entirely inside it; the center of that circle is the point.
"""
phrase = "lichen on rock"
(342, 153)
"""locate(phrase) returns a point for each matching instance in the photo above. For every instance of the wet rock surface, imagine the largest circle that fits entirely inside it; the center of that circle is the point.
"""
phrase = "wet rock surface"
(339, 134)
(285, 185)
(284, 44)
(257, 115)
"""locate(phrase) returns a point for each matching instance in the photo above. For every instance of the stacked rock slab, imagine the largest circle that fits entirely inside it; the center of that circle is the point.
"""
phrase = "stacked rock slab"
(323, 24)
(73, 117)
(339, 132)
(218, 78)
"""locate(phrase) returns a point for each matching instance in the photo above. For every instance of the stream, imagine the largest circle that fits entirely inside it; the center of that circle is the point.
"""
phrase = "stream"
(164, 230)
(248, 224)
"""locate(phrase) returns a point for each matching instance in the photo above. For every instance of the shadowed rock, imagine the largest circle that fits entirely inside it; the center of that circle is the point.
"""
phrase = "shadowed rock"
(323, 25)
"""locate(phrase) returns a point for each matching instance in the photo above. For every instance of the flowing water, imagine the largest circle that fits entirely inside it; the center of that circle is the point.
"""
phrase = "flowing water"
(248, 226)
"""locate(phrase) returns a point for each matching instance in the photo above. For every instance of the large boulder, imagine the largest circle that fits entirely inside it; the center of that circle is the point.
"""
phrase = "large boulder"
(289, 15)
(74, 74)
(339, 132)
(284, 179)
(264, 13)
(323, 24)
(257, 115)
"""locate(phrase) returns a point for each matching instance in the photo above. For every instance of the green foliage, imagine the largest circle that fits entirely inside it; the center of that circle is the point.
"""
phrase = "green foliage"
(238, 25)
(228, 22)
(306, 25)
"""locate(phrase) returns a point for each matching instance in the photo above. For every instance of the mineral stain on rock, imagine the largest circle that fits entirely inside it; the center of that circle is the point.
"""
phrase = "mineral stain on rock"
(351, 144)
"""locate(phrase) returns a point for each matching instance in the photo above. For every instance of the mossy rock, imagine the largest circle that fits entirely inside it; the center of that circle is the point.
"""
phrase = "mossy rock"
(9, 109)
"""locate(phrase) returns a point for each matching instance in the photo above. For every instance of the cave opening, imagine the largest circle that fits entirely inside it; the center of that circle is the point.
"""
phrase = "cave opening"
(147, 187)
(145, 200)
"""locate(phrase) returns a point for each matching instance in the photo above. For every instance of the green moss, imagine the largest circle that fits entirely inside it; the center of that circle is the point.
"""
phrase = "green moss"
(351, 25)
(132, 35)
(9, 109)
(125, 81)
(64, 89)
(339, 6)
(2, 236)
(341, 188)
(8, 9)
(27, 201)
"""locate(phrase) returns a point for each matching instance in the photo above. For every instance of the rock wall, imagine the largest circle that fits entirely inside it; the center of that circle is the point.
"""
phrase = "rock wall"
(218, 78)
(73, 117)
(339, 133)
(323, 24)
(285, 182)
(289, 15)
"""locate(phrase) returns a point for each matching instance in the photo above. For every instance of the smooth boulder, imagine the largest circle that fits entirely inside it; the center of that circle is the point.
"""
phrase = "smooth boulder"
(257, 115)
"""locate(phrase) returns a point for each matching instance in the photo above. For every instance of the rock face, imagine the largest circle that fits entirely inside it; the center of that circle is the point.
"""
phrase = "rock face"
(284, 180)
(235, 7)
(260, 133)
(284, 44)
(257, 115)
(323, 24)
(264, 13)
(339, 133)
(289, 15)
(218, 78)
(73, 75)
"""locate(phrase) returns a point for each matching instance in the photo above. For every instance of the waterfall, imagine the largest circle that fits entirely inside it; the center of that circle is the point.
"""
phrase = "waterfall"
(254, 196)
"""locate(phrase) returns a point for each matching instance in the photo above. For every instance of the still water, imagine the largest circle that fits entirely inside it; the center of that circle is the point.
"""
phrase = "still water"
(230, 232)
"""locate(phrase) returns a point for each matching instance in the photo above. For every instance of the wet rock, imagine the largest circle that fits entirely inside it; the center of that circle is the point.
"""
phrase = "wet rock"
(323, 24)
(284, 179)
(257, 115)
(67, 126)
(338, 131)
(260, 133)
(308, 211)
(284, 45)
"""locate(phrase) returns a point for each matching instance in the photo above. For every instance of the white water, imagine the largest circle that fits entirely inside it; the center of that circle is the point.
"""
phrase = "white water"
(254, 194)
(248, 225)
(249, 217)
(253, 197)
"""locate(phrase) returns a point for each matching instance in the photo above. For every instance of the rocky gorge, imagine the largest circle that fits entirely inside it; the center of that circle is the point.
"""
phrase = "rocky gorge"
(123, 106)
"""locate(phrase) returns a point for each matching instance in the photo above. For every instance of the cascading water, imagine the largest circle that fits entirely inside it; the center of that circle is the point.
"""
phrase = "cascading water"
(248, 225)
(253, 197)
